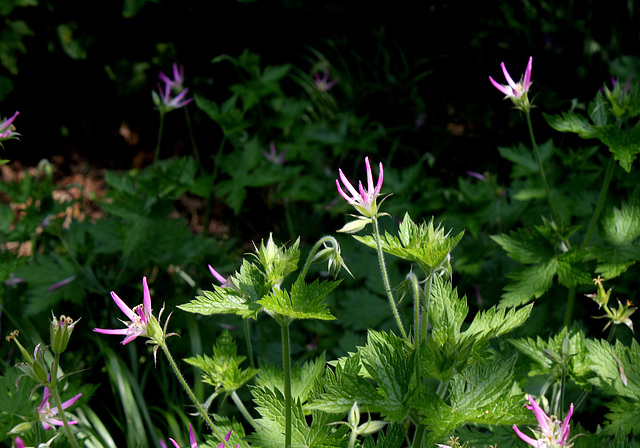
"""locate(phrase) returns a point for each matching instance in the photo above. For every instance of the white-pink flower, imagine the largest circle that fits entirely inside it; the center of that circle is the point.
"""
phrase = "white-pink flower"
(363, 200)
(513, 89)
(550, 432)
(323, 84)
(5, 126)
(47, 413)
(139, 316)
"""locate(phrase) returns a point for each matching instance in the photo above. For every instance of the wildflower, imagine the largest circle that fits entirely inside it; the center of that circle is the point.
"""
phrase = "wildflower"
(224, 282)
(363, 200)
(550, 434)
(47, 413)
(139, 317)
(517, 93)
(60, 332)
(192, 439)
(6, 128)
(20, 443)
(272, 156)
(178, 78)
(164, 101)
(322, 84)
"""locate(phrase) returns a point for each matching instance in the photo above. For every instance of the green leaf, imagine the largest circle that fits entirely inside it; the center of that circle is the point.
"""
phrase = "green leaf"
(525, 163)
(621, 226)
(623, 144)
(391, 437)
(303, 378)
(624, 415)
(528, 282)
(390, 364)
(223, 370)
(610, 376)
(305, 301)
(570, 122)
(525, 246)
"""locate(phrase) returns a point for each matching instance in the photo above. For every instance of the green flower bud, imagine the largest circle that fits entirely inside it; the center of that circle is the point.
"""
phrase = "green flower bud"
(60, 331)
(20, 428)
(34, 366)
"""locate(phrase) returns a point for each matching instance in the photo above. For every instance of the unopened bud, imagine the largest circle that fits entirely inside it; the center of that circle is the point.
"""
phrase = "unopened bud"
(60, 331)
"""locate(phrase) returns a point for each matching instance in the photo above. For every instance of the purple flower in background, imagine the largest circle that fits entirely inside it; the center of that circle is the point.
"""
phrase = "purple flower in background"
(550, 432)
(192, 439)
(323, 84)
(62, 283)
(47, 413)
(139, 316)
(5, 126)
(363, 200)
(479, 176)
(274, 157)
(178, 77)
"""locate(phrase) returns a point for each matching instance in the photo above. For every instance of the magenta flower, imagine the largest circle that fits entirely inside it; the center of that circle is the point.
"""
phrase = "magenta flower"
(323, 83)
(363, 200)
(192, 439)
(516, 92)
(550, 432)
(178, 78)
(272, 156)
(166, 103)
(5, 126)
(139, 316)
(47, 413)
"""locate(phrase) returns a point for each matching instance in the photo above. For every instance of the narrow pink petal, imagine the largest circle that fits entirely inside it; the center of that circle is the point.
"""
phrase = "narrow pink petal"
(123, 306)
(225, 438)
(347, 184)
(542, 418)
(70, 401)
(164, 78)
(192, 437)
(146, 298)
(45, 399)
(363, 195)
(499, 86)
(131, 337)
(8, 122)
(119, 331)
(19, 443)
(369, 176)
(525, 437)
(45, 426)
(180, 95)
(380, 179)
(218, 277)
(176, 73)
(507, 77)
(342, 193)
(174, 443)
(527, 76)
(564, 429)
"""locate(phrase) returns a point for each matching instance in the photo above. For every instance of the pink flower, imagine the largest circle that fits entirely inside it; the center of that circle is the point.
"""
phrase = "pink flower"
(550, 433)
(139, 316)
(47, 413)
(192, 439)
(322, 84)
(272, 156)
(363, 200)
(5, 126)
(178, 78)
(511, 89)
(167, 103)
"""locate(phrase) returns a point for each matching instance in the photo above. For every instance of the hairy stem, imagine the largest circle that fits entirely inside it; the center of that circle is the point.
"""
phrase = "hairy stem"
(427, 295)
(58, 402)
(243, 410)
(286, 361)
(192, 396)
(385, 278)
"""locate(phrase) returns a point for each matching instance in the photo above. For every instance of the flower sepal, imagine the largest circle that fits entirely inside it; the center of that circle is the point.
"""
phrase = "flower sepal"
(34, 366)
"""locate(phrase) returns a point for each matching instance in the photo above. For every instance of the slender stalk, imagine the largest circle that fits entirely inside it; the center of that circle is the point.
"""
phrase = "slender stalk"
(385, 278)
(418, 436)
(192, 396)
(427, 293)
(58, 402)
(247, 336)
(157, 153)
(556, 217)
(286, 361)
(601, 200)
(352, 438)
(193, 140)
(243, 410)
(571, 301)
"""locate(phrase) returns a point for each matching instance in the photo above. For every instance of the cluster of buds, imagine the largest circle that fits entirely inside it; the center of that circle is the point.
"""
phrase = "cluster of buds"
(619, 97)
(620, 315)
(164, 100)
(551, 432)
(516, 92)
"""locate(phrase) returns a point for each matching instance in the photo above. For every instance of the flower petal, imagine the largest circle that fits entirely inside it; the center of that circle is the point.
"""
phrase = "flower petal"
(146, 297)
(499, 86)
(123, 306)
(527, 76)
(192, 437)
(507, 77)
(526, 438)
(543, 419)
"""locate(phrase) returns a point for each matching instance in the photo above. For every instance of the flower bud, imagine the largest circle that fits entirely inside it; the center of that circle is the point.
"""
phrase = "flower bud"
(60, 332)
(354, 416)
(34, 366)
(20, 428)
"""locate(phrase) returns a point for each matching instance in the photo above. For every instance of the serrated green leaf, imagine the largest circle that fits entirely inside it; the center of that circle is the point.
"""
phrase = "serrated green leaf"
(598, 111)
(525, 246)
(391, 365)
(305, 301)
(223, 370)
(623, 144)
(525, 163)
(303, 378)
(621, 226)
(610, 377)
(391, 437)
(528, 282)
(570, 122)
(624, 415)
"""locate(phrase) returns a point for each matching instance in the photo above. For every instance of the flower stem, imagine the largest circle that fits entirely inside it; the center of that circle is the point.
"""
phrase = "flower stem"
(418, 436)
(58, 402)
(313, 252)
(385, 278)
(193, 140)
(601, 199)
(556, 217)
(247, 336)
(286, 361)
(160, 127)
(194, 399)
(427, 294)
(243, 410)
